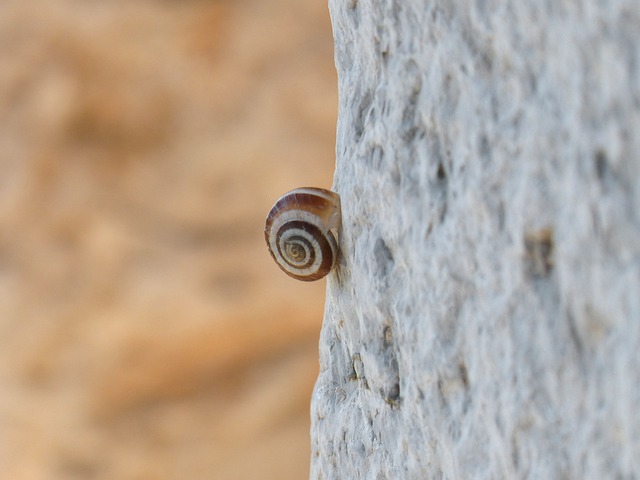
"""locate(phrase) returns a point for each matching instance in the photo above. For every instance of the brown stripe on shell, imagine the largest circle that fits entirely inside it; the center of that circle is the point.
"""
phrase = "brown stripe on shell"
(319, 203)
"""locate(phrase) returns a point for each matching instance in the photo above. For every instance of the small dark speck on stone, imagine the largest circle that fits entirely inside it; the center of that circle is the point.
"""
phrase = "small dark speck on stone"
(539, 252)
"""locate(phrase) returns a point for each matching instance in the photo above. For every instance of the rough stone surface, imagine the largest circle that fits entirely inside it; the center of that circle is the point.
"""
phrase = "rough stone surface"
(485, 319)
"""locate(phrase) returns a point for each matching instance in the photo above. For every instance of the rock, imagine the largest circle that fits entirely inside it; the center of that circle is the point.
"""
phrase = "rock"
(484, 321)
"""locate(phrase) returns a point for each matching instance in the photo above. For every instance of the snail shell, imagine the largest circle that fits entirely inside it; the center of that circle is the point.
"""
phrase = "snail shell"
(299, 233)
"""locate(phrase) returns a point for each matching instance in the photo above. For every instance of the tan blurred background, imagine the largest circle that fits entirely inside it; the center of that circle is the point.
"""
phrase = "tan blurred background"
(145, 332)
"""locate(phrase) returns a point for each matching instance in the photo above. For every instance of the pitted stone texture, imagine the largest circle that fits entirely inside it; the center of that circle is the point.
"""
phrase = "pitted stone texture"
(485, 319)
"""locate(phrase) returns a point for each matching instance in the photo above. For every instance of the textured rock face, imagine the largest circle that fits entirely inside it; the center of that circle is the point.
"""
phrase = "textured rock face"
(485, 319)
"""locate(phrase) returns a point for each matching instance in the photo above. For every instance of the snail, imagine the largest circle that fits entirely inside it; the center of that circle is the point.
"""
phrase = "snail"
(300, 232)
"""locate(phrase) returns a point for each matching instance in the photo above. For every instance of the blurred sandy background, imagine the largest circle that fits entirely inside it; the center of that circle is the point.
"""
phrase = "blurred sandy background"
(145, 332)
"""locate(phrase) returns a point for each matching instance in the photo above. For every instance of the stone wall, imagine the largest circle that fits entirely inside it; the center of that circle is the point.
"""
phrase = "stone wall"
(485, 319)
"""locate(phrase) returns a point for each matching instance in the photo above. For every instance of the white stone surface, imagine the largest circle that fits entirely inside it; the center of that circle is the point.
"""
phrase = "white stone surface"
(485, 319)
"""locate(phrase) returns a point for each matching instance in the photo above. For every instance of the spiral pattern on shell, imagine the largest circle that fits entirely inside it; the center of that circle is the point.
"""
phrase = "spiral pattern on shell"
(299, 232)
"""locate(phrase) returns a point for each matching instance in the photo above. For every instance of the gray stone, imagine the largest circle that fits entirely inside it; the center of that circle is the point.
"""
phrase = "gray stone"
(484, 321)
